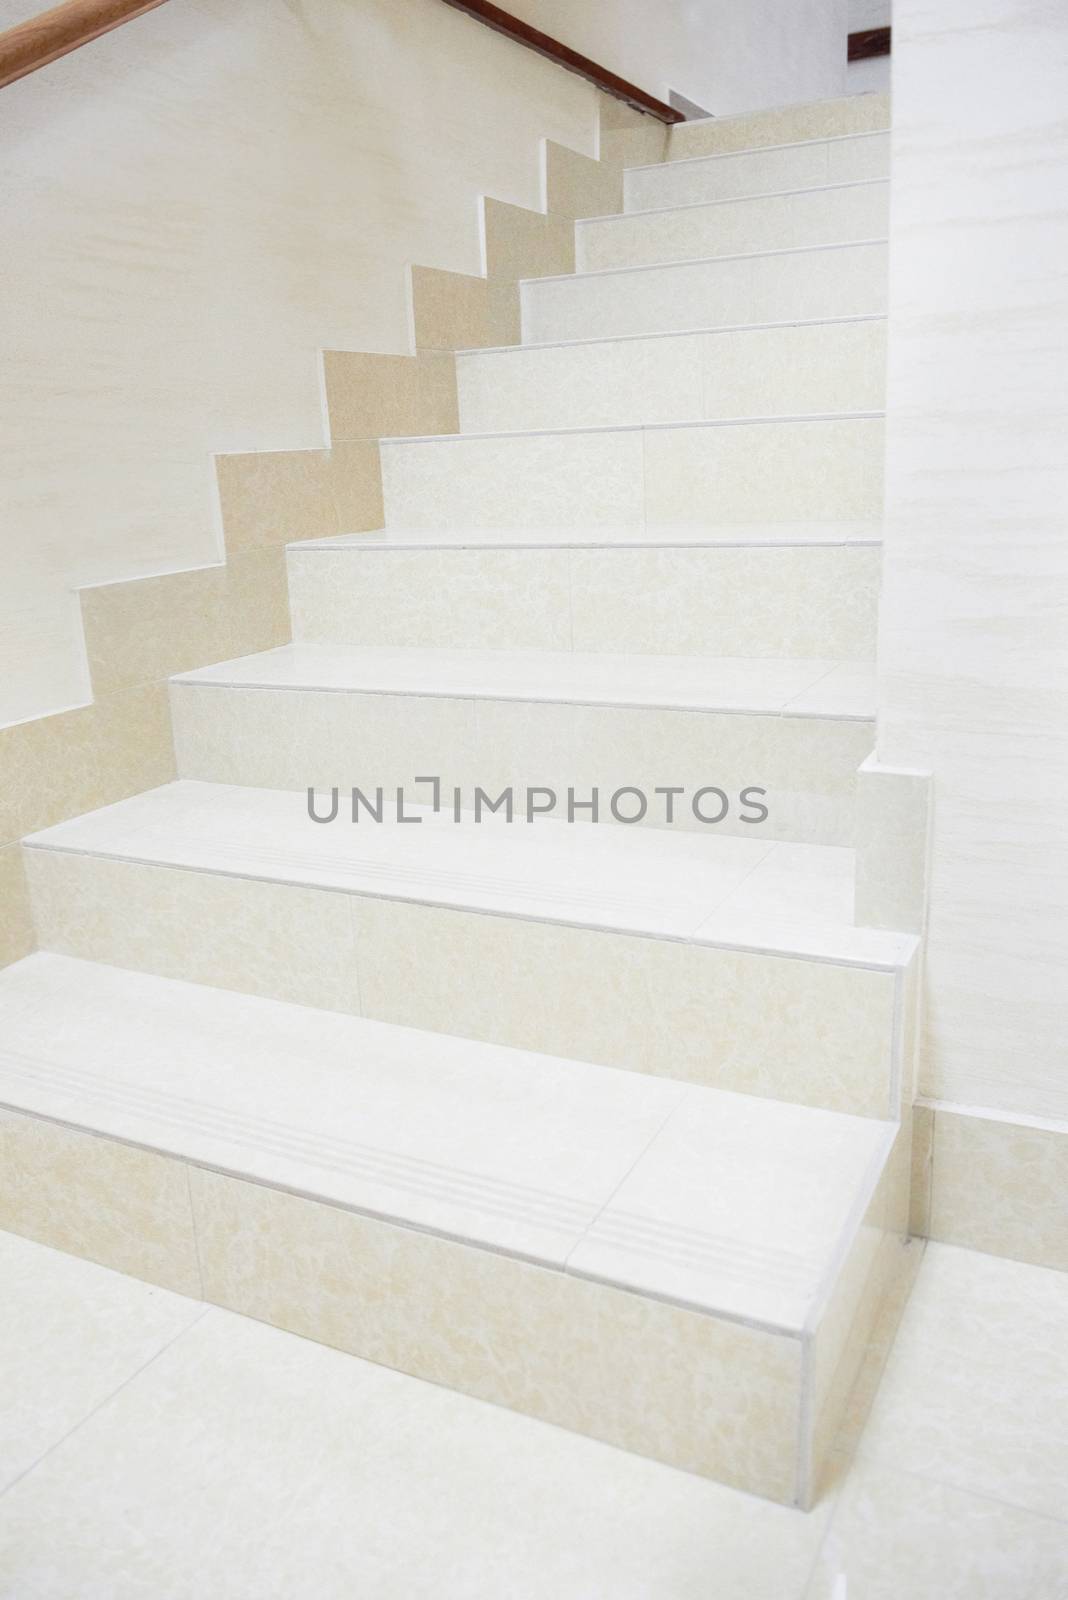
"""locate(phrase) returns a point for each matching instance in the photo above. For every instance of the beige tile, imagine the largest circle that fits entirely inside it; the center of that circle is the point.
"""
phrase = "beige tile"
(922, 1171)
(521, 243)
(257, 602)
(71, 1335)
(271, 496)
(135, 750)
(473, 598)
(1000, 1186)
(17, 935)
(635, 146)
(274, 497)
(514, 481)
(735, 227)
(372, 396)
(807, 766)
(126, 1208)
(49, 770)
(455, 311)
(356, 485)
(852, 160)
(591, 385)
(293, 739)
(893, 821)
(790, 601)
(790, 1029)
(895, 1535)
(143, 629)
(973, 1391)
(781, 371)
(674, 183)
(628, 135)
(819, 119)
(849, 280)
(773, 472)
(275, 940)
(578, 186)
(708, 1396)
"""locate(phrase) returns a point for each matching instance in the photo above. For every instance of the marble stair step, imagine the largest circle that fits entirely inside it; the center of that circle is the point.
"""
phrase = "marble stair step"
(847, 158)
(745, 968)
(834, 365)
(833, 213)
(326, 714)
(777, 125)
(757, 589)
(734, 1222)
(785, 285)
(818, 467)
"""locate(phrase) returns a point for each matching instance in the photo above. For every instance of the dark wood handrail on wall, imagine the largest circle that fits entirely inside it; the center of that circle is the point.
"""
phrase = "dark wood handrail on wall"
(564, 56)
(55, 33)
(870, 42)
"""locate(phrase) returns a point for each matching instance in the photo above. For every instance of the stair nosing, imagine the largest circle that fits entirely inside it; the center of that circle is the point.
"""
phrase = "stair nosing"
(733, 200)
(365, 545)
(186, 681)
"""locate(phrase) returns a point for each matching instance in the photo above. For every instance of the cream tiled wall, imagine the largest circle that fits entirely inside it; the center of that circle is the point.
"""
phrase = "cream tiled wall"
(973, 650)
(170, 303)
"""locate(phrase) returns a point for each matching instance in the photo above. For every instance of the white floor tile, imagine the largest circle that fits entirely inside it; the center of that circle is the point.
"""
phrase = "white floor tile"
(250, 1464)
(899, 1537)
(976, 1390)
(71, 1334)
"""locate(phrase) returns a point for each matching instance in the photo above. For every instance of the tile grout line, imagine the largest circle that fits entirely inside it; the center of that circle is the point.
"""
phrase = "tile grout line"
(205, 1307)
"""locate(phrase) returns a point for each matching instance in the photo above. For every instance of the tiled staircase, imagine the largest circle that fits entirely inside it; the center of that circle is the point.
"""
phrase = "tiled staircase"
(606, 1123)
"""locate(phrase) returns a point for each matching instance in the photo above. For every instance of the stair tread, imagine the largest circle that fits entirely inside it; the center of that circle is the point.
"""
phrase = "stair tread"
(709, 888)
(805, 688)
(724, 1202)
(701, 535)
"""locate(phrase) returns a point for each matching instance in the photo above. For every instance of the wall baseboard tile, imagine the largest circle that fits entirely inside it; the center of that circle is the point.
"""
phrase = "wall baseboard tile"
(991, 1181)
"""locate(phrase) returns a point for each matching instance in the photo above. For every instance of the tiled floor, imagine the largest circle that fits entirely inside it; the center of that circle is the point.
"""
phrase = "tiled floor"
(152, 1447)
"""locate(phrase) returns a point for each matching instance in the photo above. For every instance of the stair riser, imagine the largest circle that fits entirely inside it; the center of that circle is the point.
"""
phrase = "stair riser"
(849, 280)
(746, 372)
(813, 600)
(746, 1406)
(761, 172)
(759, 472)
(290, 739)
(822, 119)
(734, 227)
(814, 1032)
(676, 1385)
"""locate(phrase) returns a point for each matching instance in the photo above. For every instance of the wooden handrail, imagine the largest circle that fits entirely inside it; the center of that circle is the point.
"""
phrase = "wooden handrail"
(564, 56)
(870, 42)
(55, 33)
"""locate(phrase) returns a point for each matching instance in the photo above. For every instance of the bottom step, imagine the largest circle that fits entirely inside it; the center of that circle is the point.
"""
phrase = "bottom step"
(681, 1271)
